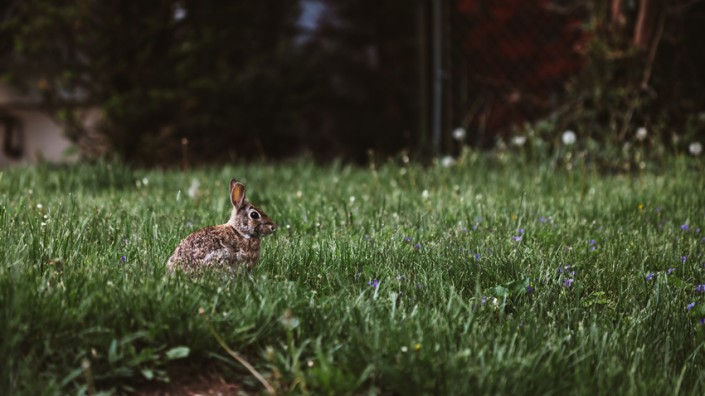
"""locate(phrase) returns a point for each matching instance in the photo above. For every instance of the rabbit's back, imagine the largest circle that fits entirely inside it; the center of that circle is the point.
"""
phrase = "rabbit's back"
(217, 246)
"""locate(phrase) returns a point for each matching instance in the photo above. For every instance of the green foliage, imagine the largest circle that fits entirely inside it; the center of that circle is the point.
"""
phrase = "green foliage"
(472, 264)
(622, 89)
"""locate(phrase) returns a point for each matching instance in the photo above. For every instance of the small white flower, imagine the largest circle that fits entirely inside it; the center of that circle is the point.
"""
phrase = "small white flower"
(39, 206)
(193, 188)
(404, 349)
(425, 194)
(145, 181)
(447, 161)
(641, 134)
(352, 199)
(569, 138)
(519, 140)
(695, 148)
(459, 134)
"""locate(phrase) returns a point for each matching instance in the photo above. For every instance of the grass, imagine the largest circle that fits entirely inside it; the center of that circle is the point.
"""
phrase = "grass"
(473, 266)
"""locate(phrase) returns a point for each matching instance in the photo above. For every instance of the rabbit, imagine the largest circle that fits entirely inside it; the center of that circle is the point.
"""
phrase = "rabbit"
(226, 246)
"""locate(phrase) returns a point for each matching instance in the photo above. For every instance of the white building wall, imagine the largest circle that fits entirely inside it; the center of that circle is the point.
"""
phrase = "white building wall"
(41, 137)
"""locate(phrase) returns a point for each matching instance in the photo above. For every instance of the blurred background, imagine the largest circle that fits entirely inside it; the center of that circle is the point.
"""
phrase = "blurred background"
(177, 83)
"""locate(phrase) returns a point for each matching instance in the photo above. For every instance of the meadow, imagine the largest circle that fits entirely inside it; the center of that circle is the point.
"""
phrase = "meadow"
(486, 276)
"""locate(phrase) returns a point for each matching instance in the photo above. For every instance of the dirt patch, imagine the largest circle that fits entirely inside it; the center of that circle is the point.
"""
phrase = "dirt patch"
(190, 381)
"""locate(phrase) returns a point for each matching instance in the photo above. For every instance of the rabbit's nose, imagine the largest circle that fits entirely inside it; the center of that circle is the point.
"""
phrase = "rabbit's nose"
(272, 227)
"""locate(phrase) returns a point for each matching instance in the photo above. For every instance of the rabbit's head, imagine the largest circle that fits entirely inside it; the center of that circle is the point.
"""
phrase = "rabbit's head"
(246, 218)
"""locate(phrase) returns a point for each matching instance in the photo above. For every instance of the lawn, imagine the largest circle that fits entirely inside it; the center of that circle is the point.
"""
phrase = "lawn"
(490, 276)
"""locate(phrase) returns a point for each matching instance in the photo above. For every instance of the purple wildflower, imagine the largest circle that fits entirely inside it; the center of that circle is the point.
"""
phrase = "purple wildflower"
(483, 300)
(700, 288)
(530, 289)
(690, 306)
(542, 219)
(684, 259)
(123, 258)
(702, 321)
(516, 238)
(670, 271)
(592, 242)
(407, 239)
(685, 227)
(520, 231)
(568, 282)
(374, 283)
(417, 246)
(477, 256)
(650, 276)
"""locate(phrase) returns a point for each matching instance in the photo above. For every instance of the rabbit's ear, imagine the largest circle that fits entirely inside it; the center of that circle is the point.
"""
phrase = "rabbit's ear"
(237, 193)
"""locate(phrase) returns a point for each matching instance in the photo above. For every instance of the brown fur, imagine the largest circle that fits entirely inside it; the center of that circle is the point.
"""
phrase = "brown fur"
(228, 245)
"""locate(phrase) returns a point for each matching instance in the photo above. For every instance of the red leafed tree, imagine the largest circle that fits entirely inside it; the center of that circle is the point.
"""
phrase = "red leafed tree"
(519, 54)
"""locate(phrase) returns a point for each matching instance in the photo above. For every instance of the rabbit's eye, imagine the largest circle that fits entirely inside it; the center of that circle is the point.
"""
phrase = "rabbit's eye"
(254, 215)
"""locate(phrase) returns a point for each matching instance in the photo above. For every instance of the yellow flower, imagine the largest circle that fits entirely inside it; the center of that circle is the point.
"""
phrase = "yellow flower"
(640, 206)
(417, 346)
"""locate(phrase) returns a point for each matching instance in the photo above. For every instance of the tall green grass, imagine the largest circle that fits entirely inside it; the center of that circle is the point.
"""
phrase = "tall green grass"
(492, 277)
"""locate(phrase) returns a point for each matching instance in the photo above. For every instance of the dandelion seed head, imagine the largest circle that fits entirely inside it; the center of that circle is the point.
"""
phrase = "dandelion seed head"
(641, 134)
(447, 161)
(518, 140)
(459, 134)
(568, 138)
